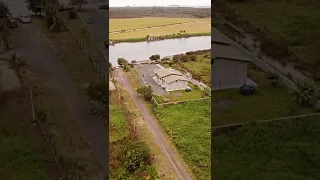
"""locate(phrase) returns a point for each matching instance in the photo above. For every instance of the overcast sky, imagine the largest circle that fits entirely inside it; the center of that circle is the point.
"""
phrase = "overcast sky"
(159, 2)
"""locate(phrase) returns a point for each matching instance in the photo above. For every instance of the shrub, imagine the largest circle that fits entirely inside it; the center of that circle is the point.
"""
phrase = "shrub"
(146, 92)
(184, 58)
(137, 155)
(154, 57)
(98, 92)
(193, 58)
(73, 14)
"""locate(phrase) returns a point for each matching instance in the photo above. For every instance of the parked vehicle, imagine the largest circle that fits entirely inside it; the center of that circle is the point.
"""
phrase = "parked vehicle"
(25, 18)
(12, 23)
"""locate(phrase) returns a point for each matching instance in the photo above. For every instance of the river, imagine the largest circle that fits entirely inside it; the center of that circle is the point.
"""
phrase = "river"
(140, 51)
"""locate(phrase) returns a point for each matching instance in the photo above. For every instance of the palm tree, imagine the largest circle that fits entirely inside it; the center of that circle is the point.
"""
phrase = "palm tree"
(206, 91)
(304, 92)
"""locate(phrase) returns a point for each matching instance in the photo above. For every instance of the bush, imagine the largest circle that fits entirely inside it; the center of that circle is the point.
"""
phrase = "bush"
(98, 92)
(137, 155)
(73, 14)
(154, 57)
(146, 92)
(193, 58)
(184, 58)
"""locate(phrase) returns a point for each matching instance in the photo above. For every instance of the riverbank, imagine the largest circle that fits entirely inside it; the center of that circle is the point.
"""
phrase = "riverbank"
(173, 36)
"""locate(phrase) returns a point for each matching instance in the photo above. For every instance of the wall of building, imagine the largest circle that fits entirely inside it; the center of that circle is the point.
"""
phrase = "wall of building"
(228, 74)
(178, 85)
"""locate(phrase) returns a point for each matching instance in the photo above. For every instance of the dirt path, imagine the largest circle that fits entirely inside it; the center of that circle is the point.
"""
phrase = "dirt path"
(41, 55)
(159, 137)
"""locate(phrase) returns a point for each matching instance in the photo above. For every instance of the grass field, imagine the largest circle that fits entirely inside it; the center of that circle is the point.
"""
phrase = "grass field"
(182, 95)
(134, 23)
(188, 125)
(198, 27)
(231, 107)
(118, 129)
(288, 23)
(286, 150)
(23, 151)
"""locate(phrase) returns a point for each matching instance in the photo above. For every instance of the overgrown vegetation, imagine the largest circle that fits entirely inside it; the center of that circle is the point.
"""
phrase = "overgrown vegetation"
(286, 149)
(188, 125)
(197, 63)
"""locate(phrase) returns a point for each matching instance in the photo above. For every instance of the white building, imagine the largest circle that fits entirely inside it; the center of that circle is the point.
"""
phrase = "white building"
(170, 79)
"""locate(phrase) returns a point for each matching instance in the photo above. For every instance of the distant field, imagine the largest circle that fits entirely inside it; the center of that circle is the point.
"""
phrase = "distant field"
(133, 23)
(177, 12)
(286, 150)
(189, 125)
(200, 26)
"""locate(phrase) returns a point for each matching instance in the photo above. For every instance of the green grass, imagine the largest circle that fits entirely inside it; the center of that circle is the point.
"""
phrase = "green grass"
(189, 124)
(293, 23)
(118, 129)
(182, 95)
(269, 102)
(286, 150)
(22, 148)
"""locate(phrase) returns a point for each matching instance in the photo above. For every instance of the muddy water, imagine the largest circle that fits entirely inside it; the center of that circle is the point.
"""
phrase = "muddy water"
(143, 50)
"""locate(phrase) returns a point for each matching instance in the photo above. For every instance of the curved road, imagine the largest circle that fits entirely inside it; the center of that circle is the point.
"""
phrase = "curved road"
(165, 148)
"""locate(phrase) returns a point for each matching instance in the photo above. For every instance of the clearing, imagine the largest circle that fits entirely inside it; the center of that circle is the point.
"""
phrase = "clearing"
(285, 149)
(230, 106)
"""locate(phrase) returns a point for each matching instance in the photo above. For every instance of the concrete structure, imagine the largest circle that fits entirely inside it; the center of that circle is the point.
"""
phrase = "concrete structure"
(229, 66)
(170, 79)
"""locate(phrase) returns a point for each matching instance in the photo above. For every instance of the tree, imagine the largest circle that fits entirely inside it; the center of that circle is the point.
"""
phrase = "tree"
(146, 92)
(36, 6)
(133, 61)
(122, 61)
(154, 57)
(78, 3)
(165, 60)
(4, 13)
(136, 155)
(304, 92)
(98, 92)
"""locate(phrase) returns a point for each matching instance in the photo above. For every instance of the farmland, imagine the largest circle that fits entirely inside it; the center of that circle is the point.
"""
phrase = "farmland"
(198, 27)
(286, 149)
(288, 30)
(268, 102)
(134, 23)
(188, 125)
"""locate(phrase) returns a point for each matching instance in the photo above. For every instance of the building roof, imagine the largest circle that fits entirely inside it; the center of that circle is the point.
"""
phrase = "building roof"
(172, 78)
(166, 72)
(218, 37)
(228, 52)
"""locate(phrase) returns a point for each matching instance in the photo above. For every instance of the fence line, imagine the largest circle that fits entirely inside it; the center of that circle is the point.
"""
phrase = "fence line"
(179, 102)
(84, 47)
(217, 128)
(44, 133)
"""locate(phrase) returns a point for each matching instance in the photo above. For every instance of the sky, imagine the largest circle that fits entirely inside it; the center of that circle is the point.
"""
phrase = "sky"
(113, 3)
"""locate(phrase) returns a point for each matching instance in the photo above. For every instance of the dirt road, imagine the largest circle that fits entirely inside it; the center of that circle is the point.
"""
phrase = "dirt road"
(159, 137)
